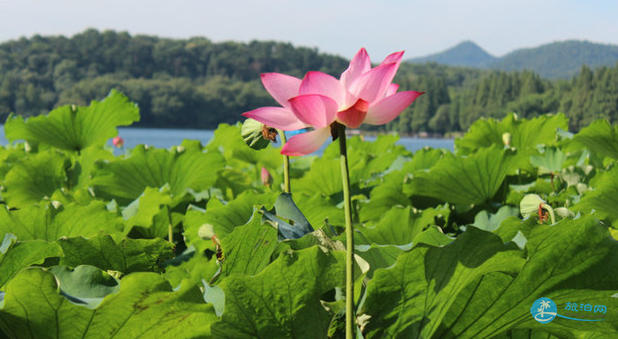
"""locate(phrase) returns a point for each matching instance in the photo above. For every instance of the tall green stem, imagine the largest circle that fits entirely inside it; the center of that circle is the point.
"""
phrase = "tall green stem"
(170, 225)
(350, 323)
(286, 166)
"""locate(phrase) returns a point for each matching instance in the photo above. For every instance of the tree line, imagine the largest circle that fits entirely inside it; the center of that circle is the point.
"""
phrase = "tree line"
(456, 98)
(196, 83)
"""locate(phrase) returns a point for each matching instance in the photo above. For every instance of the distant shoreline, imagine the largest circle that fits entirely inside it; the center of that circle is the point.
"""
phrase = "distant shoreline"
(350, 132)
(420, 135)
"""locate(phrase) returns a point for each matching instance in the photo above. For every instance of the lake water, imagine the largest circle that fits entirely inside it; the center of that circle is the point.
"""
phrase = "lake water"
(164, 138)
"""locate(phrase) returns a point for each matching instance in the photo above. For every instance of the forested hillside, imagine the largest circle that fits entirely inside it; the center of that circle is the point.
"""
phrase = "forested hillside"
(456, 98)
(196, 83)
(177, 83)
(561, 59)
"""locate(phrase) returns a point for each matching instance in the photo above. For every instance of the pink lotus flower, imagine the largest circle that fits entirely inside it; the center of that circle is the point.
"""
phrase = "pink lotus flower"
(118, 142)
(361, 95)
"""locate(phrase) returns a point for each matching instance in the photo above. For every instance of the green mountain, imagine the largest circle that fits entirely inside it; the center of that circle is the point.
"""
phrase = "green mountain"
(559, 59)
(556, 60)
(465, 54)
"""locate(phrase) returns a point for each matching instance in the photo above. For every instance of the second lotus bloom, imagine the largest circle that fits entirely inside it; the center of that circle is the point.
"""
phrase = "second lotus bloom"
(361, 95)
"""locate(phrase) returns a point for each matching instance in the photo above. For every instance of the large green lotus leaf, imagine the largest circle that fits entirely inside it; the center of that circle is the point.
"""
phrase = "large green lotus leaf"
(149, 216)
(125, 256)
(366, 159)
(46, 222)
(248, 248)
(83, 165)
(540, 334)
(233, 181)
(600, 138)
(76, 128)
(490, 222)
(382, 144)
(424, 159)
(382, 256)
(493, 285)
(145, 307)
(473, 179)
(604, 198)
(318, 208)
(433, 236)
(367, 162)
(379, 256)
(17, 255)
(197, 232)
(550, 161)
(81, 196)
(399, 226)
(126, 179)
(85, 284)
(574, 261)
(384, 197)
(282, 301)
(221, 219)
(524, 133)
(35, 177)
(371, 170)
(410, 299)
(390, 191)
(193, 267)
(323, 178)
(9, 155)
(516, 230)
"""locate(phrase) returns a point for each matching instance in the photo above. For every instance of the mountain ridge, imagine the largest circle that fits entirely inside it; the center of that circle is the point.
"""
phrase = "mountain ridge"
(558, 59)
(465, 54)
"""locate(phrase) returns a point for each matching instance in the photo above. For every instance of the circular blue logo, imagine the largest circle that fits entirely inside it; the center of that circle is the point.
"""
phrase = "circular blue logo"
(544, 310)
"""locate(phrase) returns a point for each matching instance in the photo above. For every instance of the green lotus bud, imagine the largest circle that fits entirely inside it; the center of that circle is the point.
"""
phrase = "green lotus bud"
(256, 134)
(532, 203)
(506, 139)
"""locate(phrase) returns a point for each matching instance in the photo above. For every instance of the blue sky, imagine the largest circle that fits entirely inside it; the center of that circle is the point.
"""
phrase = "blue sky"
(339, 27)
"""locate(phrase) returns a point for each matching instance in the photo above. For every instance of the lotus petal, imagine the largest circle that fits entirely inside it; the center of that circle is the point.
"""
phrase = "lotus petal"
(372, 85)
(324, 84)
(314, 109)
(305, 143)
(281, 87)
(389, 108)
(277, 117)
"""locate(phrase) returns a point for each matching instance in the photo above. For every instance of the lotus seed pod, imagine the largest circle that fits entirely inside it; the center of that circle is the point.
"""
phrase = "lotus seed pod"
(253, 134)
